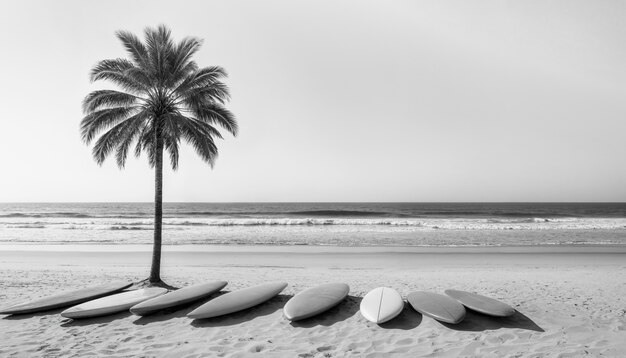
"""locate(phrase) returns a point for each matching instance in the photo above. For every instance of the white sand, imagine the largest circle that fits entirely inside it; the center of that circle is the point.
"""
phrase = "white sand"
(568, 304)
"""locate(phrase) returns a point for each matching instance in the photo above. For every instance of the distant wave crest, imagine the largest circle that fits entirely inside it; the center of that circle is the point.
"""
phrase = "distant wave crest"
(292, 221)
(26, 226)
(124, 227)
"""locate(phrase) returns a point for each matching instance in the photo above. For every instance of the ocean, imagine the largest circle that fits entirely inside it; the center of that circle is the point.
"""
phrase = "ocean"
(334, 224)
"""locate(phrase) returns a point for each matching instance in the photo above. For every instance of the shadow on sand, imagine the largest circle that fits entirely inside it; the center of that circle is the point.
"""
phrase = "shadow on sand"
(344, 310)
(476, 322)
(407, 319)
(95, 320)
(15, 317)
(231, 319)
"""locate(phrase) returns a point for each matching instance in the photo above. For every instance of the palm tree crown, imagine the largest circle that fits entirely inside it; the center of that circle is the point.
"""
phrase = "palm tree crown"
(165, 97)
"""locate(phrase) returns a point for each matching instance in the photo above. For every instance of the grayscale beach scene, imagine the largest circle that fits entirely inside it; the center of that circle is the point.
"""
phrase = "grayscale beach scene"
(312, 179)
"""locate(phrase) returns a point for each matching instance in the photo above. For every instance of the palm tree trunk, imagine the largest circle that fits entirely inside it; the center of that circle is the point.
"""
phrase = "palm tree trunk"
(155, 270)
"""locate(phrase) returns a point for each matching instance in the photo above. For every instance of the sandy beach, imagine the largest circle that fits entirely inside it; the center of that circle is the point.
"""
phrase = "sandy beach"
(568, 303)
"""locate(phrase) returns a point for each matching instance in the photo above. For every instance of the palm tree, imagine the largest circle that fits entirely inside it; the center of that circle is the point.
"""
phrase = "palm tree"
(164, 98)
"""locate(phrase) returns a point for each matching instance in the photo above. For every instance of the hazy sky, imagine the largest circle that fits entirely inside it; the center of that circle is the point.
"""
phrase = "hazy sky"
(338, 100)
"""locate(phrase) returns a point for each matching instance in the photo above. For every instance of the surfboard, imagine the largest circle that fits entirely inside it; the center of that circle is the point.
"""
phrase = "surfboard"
(112, 304)
(315, 300)
(482, 304)
(440, 307)
(381, 305)
(68, 298)
(238, 300)
(177, 298)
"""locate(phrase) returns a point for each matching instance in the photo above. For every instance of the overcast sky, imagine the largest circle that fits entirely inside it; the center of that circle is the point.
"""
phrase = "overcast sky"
(338, 100)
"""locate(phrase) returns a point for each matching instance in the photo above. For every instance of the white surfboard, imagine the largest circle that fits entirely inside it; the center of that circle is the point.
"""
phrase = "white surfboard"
(315, 300)
(238, 300)
(177, 298)
(112, 304)
(381, 305)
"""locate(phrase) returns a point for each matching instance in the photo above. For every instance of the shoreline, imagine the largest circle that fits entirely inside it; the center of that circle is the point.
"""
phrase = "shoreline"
(399, 258)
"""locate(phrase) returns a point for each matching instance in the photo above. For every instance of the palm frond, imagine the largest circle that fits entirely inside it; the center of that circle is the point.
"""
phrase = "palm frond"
(145, 143)
(159, 45)
(171, 137)
(188, 69)
(113, 138)
(214, 113)
(139, 146)
(128, 136)
(201, 78)
(206, 149)
(215, 92)
(97, 121)
(134, 47)
(181, 64)
(121, 72)
(107, 99)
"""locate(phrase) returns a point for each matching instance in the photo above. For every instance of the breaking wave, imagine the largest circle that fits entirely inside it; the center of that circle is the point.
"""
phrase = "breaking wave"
(413, 224)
